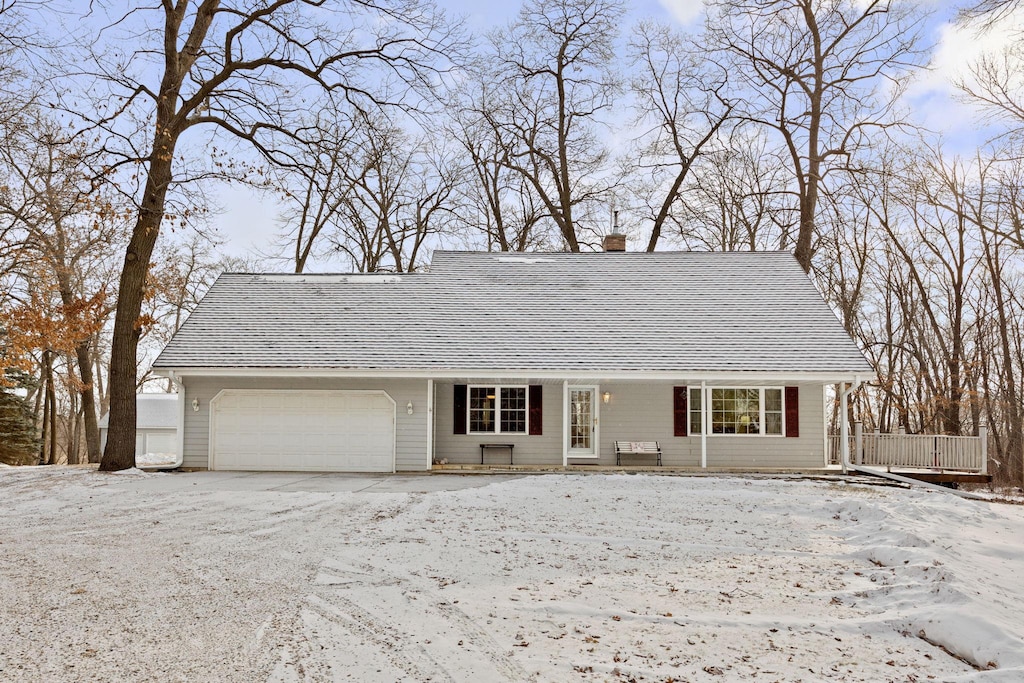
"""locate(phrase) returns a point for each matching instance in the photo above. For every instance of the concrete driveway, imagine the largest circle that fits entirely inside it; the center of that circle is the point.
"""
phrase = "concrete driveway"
(304, 481)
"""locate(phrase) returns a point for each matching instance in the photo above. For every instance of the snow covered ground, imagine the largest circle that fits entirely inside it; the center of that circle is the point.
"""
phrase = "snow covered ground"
(548, 578)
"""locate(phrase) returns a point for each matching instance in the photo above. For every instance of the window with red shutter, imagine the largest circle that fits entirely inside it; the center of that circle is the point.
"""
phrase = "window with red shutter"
(460, 408)
(793, 411)
(680, 415)
(536, 410)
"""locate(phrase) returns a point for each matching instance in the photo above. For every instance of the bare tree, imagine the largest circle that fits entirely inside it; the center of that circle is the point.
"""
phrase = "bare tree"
(997, 86)
(70, 233)
(393, 194)
(492, 199)
(314, 191)
(988, 13)
(818, 73)
(735, 198)
(245, 71)
(548, 83)
(183, 270)
(679, 99)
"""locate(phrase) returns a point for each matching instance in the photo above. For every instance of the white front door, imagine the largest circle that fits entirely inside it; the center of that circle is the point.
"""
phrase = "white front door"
(581, 432)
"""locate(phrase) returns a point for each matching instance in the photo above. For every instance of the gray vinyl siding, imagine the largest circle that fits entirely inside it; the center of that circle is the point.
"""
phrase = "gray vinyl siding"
(640, 412)
(804, 451)
(643, 412)
(410, 430)
(545, 449)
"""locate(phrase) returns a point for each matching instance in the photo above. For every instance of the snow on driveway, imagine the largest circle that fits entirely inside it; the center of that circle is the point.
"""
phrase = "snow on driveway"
(546, 578)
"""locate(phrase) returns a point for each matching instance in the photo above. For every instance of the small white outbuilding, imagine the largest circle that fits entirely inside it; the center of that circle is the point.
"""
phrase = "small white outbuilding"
(156, 431)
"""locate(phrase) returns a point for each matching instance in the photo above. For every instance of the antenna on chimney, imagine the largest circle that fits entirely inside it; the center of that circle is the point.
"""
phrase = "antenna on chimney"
(615, 241)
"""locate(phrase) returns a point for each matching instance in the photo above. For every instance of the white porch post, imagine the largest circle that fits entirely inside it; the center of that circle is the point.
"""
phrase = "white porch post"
(704, 407)
(983, 435)
(844, 428)
(844, 425)
(826, 445)
(565, 423)
(430, 424)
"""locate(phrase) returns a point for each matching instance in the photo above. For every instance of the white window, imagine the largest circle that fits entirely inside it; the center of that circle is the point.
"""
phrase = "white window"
(497, 410)
(739, 410)
(694, 404)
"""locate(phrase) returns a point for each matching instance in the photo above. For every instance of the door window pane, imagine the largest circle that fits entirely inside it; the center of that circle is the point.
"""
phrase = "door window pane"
(581, 416)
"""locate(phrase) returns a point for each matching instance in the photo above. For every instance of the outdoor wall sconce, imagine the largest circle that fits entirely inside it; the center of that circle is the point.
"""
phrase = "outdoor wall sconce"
(408, 408)
(195, 405)
(606, 397)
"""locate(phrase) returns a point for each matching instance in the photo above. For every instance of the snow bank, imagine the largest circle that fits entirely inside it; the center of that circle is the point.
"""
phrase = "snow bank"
(544, 578)
(156, 460)
(131, 471)
(947, 572)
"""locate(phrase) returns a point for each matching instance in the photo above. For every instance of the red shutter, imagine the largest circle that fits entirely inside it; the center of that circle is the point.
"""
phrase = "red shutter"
(792, 411)
(460, 408)
(536, 410)
(680, 415)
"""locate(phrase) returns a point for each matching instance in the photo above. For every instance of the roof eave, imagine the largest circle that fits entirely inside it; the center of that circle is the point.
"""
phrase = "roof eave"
(824, 376)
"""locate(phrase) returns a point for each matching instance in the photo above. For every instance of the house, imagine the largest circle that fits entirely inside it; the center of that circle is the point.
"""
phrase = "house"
(156, 430)
(722, 358)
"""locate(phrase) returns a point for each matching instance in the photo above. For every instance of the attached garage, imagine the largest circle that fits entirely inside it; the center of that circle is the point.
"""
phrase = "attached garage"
(302, 430)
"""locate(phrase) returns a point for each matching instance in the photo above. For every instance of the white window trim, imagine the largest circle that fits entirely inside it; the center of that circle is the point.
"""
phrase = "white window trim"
(706, 412)
(497, 407)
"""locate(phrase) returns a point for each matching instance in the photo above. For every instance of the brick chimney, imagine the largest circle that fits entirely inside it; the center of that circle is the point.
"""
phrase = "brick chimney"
(615, 242)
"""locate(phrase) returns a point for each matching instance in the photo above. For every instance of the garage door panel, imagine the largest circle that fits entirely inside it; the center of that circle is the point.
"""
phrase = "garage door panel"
(337, 431)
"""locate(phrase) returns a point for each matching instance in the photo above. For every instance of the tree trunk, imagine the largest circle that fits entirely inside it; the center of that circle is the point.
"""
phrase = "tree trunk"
(119, 453)
(51, 399)
(101, 390)
(89, 414)
(44, 428)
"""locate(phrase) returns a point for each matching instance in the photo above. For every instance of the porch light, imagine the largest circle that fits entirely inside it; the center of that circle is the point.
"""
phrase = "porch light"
(408, 408)
(606, 397)
(195, 405)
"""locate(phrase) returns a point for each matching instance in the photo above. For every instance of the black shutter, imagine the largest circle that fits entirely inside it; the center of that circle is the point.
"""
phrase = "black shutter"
(680, 414)
(536, 410)
(792, 411)
(460, 408)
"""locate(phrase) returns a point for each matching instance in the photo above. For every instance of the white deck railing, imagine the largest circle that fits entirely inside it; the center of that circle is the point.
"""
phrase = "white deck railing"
(918, 451)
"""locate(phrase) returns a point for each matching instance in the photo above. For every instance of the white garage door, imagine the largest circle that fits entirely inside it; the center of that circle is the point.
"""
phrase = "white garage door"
(317, 431)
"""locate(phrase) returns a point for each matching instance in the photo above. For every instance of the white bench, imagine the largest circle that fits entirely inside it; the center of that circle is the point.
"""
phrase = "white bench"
(636, 448)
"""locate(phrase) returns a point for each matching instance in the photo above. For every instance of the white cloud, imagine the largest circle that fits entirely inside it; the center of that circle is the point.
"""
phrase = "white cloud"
(683, 11)
(932, 94)
(958, 47)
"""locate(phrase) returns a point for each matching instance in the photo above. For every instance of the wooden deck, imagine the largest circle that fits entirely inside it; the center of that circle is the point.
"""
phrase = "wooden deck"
(945, 477)
(930, 458)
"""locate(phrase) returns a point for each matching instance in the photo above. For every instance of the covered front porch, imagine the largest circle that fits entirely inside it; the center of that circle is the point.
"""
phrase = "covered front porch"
(718, 424)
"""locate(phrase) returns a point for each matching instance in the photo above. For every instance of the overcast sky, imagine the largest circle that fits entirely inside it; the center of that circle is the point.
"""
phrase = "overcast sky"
(249, 222)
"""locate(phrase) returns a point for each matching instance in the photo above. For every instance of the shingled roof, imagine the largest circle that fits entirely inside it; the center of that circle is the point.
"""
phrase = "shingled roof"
(677, 312)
